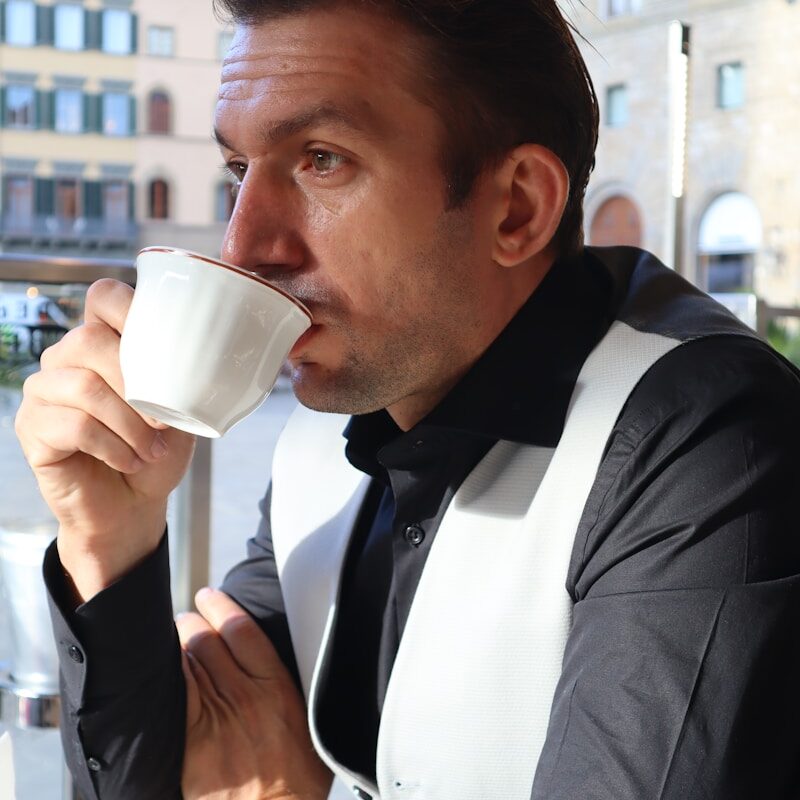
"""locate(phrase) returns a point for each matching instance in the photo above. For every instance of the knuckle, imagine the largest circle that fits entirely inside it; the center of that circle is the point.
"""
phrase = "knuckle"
(85, 427)
(90, 385)
(100, 289)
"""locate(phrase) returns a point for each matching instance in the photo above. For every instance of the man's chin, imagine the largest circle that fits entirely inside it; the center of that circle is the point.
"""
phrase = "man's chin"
(320, 389)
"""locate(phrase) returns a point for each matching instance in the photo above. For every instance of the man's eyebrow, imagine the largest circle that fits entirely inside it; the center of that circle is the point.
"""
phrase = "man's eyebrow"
(275, 132)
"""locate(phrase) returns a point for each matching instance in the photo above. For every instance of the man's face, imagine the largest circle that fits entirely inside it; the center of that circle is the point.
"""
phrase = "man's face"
(343, 204)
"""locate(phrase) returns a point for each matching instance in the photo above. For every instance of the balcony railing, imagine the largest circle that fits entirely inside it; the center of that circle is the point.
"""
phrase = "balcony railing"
(79, 231)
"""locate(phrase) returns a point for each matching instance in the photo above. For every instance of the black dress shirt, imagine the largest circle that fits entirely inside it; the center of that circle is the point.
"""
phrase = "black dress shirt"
(685, 649)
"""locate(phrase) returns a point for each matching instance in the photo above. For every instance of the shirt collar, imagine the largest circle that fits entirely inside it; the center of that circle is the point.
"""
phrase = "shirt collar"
(519, 389)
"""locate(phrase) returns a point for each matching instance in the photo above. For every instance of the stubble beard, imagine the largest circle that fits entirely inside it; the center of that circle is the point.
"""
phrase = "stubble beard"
(378, 369)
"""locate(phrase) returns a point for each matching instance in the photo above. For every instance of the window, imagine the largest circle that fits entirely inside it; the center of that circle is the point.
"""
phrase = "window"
(116, 114)
(66, 198)
(117, 31)
(19, 199)
(159, 113)
(160, 41)
(730, 85)
(69, 110)
(20, 23)
(616, 222)
(224, 43)
(115, 202)
(617, 106)
(224, 201)
(158, 200)
(69, 27)
(20, 102)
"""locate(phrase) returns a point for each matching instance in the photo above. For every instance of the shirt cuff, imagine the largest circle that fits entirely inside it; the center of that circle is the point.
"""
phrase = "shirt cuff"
(119, 638)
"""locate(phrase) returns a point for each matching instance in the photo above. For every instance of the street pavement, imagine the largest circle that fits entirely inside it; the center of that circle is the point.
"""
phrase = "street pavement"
(241, 464)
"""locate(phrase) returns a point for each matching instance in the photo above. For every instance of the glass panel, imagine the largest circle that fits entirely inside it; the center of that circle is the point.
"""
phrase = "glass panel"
(69, 110)
(116, 31)
(159, 200)
(160, 41)
(67, 198)
(731, 272)
(159, 115)
(115, 202)
(116, 114)
(616, 106)
(224, 44)
(20, 23)
(69, 27)
(731, 85)
(225, 201)
(19, 106)
(20, 199)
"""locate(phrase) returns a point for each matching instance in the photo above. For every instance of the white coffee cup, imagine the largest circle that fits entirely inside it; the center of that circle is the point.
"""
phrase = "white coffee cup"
(204, 341)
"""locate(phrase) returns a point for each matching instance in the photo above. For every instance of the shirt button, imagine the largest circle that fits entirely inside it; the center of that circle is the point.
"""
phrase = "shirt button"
(93, 764)
(414, 535)
(75, 654)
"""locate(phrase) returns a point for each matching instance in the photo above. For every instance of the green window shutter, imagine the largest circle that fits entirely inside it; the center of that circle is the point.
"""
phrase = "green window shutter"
(134, 32)
(131, 201)
(2, 106)
(51, 109)
(45, 196)
(2, 22)
(45, 23)
(132, 117)
(93, 30)
(88, 122)
(92, 113)
(4, 207)
(92, 199)
(44, 110)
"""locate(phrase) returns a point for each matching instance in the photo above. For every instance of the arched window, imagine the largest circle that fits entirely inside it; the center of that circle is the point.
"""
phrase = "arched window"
(158, 199)
(616, 222)
(224, 200)
(731, 234)
(159, 113)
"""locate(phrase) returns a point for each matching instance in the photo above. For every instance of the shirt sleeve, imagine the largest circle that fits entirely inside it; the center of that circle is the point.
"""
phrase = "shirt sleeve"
(123, 707)
(679, 677)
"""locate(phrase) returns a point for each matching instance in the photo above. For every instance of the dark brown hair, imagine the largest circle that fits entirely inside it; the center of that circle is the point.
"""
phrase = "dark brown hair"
(500, 73)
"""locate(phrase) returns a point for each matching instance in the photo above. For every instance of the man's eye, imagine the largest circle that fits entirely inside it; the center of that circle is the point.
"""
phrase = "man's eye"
(236, 170)
(325, 161)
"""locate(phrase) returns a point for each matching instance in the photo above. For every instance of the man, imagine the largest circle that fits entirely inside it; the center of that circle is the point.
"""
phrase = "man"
(555, 554)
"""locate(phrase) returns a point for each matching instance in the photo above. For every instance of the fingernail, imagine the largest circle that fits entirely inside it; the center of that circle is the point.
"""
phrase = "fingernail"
(159, 447)
(206, 591)
(136, 465)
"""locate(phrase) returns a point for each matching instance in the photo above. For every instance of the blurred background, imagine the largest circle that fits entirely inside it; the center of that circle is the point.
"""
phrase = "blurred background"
(105, 147)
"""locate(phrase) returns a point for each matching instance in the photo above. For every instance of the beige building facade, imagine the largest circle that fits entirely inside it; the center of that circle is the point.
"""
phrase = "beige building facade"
(738, 219)
(106, 113)
(185, 199)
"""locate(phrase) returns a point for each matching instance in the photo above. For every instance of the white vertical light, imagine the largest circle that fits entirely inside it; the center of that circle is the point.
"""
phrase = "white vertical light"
(678, 99)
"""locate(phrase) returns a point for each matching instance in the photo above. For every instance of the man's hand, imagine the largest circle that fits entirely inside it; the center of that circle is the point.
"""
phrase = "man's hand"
(103, 469)
(246, 732)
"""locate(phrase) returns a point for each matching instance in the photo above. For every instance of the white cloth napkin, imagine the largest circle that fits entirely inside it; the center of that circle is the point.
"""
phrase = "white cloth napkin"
(6, 768)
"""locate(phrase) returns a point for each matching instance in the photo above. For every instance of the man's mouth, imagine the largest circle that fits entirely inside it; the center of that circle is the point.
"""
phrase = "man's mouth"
(301, 345)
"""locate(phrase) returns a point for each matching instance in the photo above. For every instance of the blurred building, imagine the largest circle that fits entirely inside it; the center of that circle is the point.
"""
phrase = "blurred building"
(106, 112)
(739, 213)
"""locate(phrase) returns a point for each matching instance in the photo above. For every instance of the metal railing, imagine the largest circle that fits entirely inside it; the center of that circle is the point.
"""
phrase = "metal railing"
(51, 227)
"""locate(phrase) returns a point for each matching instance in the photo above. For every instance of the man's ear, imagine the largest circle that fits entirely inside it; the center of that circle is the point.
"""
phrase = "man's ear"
(534, 187)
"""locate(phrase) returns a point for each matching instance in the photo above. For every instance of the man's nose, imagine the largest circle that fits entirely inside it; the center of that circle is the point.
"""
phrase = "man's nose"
(261, 234)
